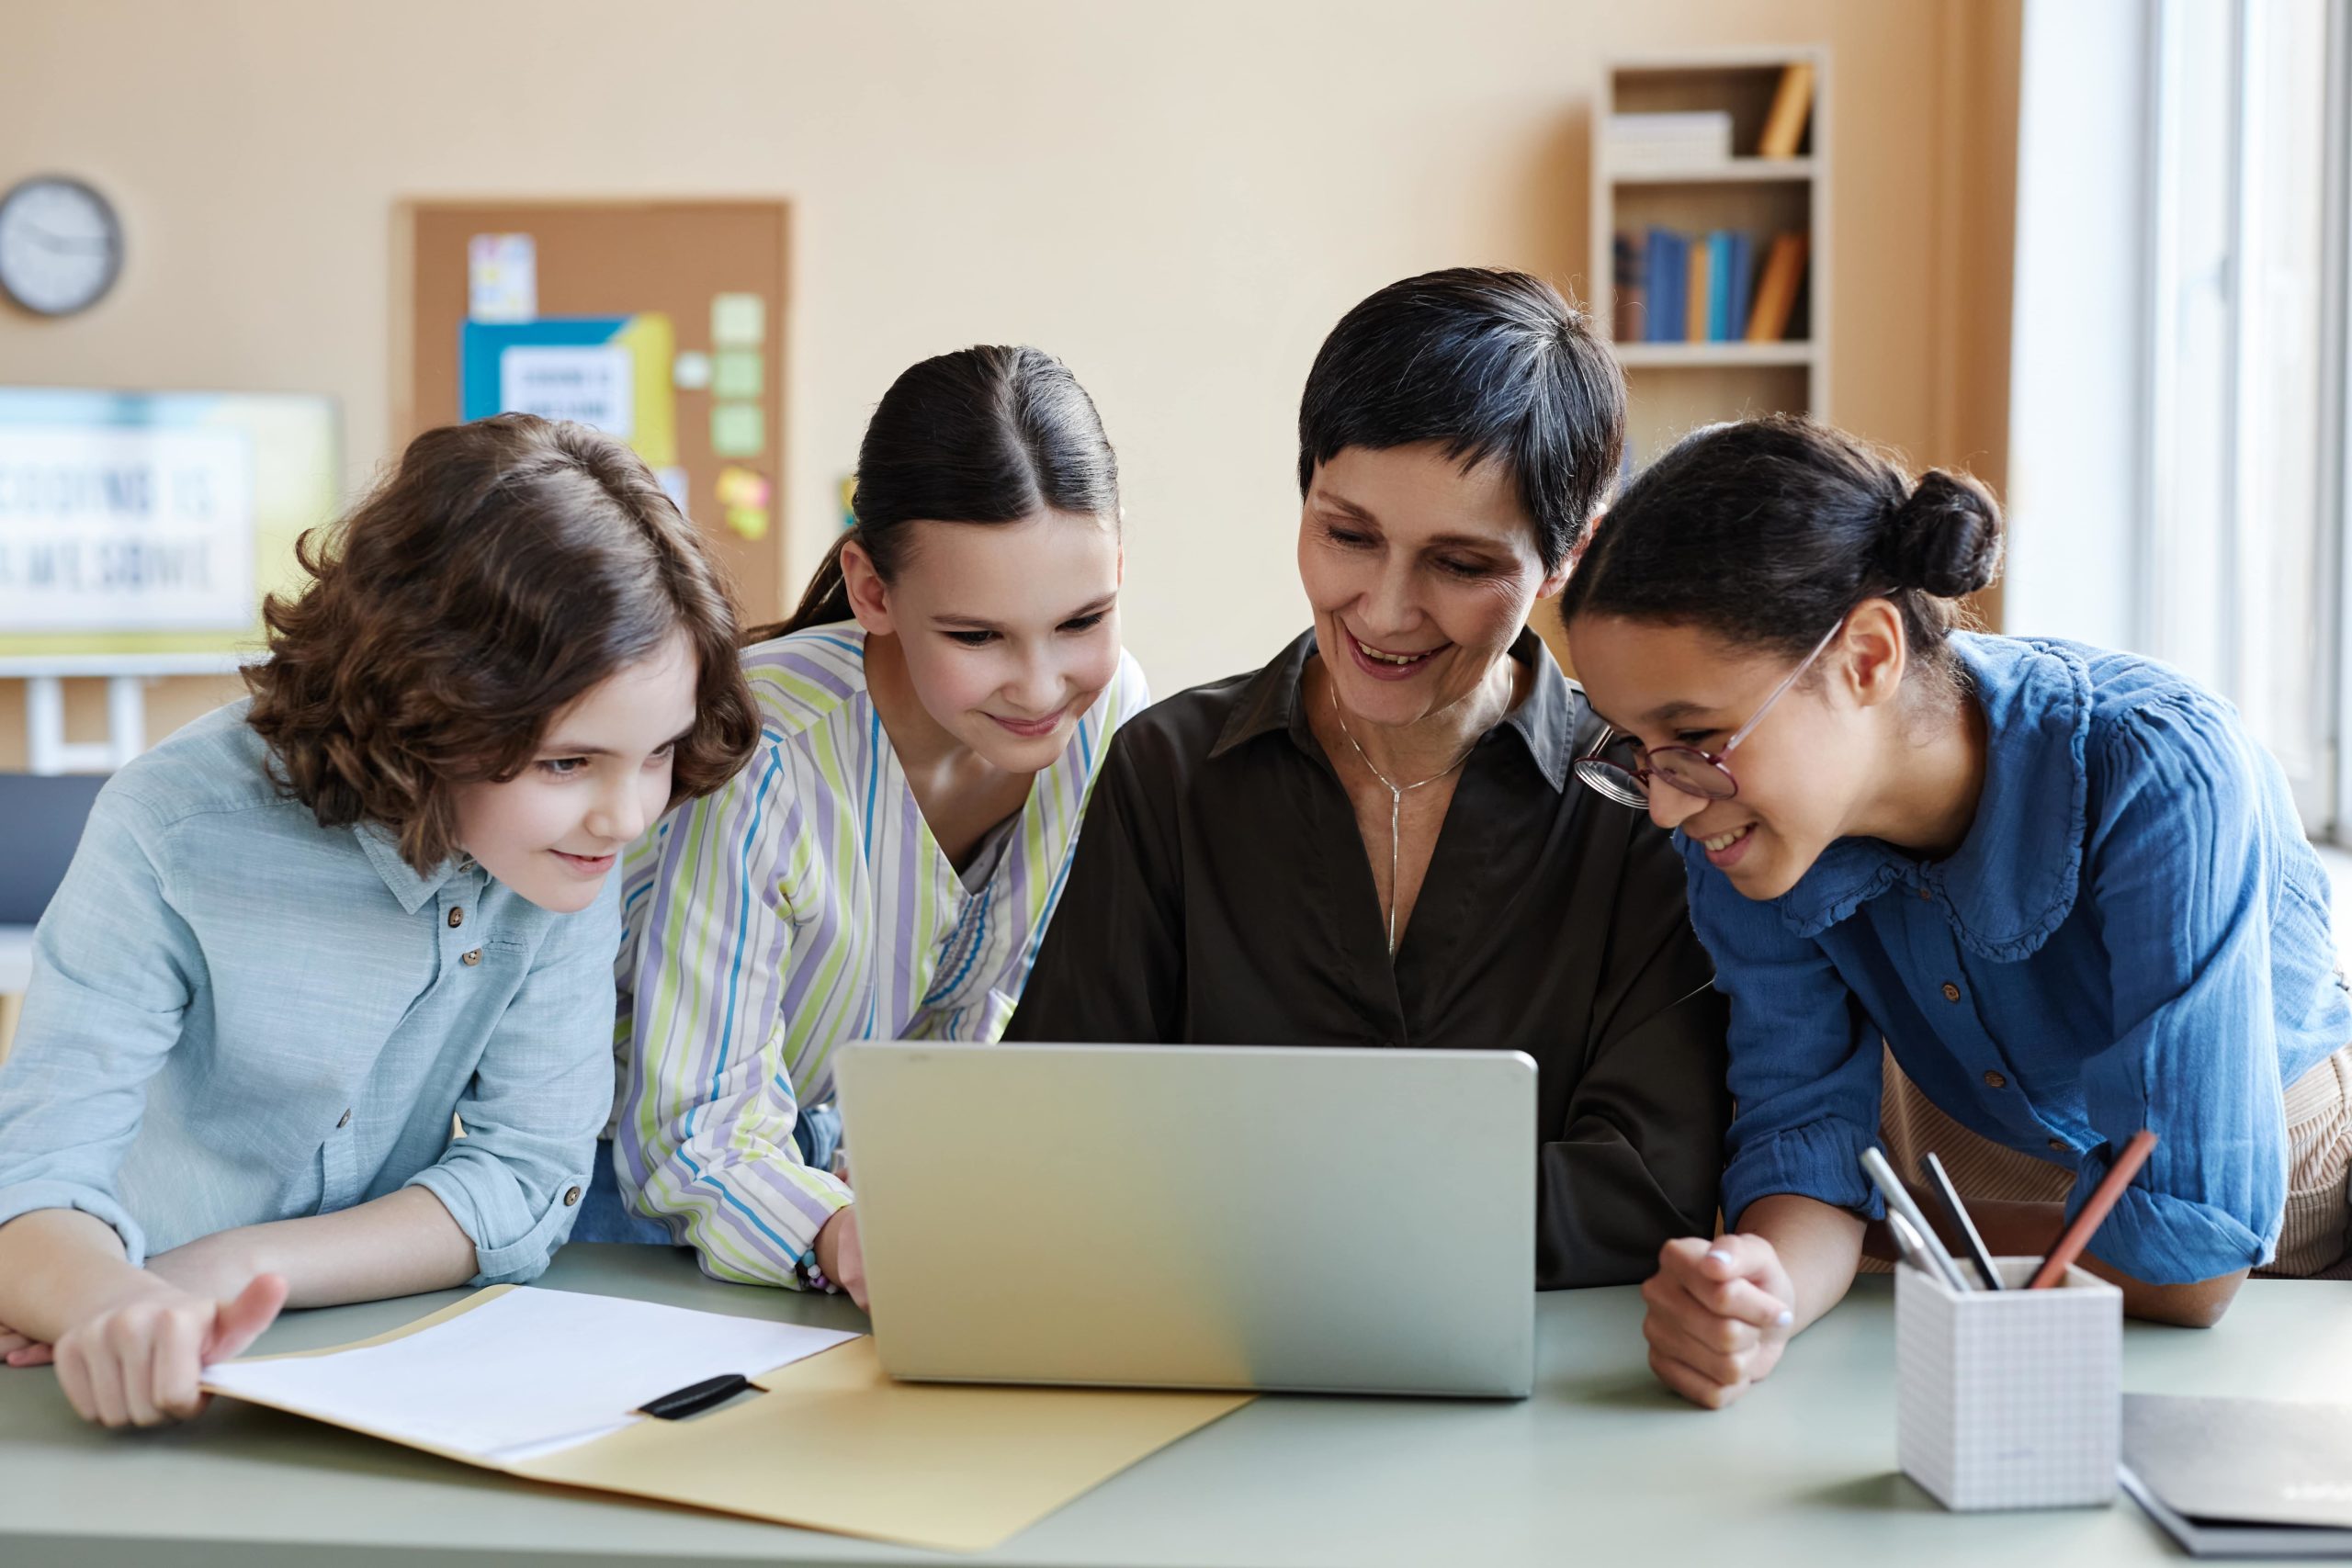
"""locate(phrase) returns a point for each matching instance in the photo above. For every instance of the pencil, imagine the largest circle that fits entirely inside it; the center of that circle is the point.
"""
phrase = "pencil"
(1949, 1195)
(2094, 1213)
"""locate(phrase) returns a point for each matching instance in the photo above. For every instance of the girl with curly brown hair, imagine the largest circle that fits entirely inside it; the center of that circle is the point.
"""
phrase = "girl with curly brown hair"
(303, 933)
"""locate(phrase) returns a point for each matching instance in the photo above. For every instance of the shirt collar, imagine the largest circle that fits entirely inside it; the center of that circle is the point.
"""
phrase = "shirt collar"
(2015, 876)
(1546, 721)
(412, 890)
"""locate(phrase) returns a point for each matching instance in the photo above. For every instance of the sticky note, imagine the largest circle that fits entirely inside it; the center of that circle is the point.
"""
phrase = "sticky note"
(740, 486)
(751, 522)
(739, 320)
(737, 372)
(691, 373)
(738, 430)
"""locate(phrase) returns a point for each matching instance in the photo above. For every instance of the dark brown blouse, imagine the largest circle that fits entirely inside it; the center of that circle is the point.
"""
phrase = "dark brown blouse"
(1220, 894)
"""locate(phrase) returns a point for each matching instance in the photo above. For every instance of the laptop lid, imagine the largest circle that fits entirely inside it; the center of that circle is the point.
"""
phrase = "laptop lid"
(1327, 1219)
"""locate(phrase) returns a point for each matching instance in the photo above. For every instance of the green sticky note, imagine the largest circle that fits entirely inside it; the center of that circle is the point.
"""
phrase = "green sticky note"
(739, 320)
(738, 430)
(737, 372)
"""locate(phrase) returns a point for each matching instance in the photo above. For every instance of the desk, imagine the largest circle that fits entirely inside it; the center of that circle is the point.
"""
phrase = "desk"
(1600, 1466)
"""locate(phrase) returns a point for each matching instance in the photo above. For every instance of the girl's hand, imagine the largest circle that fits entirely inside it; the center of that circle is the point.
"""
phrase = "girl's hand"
(137, 1363)
(840, 1256)
(22, 1349)
(1719, 1313)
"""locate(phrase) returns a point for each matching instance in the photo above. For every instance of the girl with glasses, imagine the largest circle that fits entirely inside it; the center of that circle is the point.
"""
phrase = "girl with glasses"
(2061, 885)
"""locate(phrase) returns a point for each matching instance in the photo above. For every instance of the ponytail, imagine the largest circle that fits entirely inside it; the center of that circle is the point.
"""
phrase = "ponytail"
(824, 601)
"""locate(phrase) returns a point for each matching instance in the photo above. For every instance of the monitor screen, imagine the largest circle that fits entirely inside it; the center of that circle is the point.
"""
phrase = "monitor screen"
(154, 522)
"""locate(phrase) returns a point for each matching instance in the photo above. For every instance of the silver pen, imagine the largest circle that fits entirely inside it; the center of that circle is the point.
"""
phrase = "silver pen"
(1898, 1203)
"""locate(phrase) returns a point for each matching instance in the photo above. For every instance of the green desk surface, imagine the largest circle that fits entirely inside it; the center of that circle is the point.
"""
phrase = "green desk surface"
(1602, 1466)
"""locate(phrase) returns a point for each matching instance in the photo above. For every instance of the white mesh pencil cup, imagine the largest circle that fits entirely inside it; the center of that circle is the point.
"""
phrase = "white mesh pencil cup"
(2011, 1398)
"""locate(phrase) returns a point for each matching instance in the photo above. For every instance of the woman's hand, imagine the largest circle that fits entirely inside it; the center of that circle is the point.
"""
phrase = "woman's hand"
(840, 1256)
(138, 1363)
(1720, 1312)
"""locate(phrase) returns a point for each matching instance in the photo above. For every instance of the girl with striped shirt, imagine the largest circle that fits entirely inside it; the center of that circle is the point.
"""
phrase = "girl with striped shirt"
(932, 719)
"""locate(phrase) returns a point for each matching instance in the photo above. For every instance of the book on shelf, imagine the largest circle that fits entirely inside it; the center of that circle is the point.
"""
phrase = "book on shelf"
(1698, 296)
(1667, 142)
(1792, 107)
(1629, 294)
(1776, 288)
(1666, 278)
(1674, 287)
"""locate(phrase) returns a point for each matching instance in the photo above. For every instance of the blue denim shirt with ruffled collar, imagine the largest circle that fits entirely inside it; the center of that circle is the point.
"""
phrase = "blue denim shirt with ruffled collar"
(2134, 933)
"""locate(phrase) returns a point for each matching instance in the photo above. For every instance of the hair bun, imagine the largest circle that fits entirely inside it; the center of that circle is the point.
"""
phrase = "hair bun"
(1944, 538)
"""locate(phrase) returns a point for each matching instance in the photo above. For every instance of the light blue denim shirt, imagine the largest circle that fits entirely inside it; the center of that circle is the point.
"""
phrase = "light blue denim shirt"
(238, 1016)
(2133, 934)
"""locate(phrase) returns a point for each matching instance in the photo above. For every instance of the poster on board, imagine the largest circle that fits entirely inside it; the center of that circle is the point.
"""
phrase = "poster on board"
(612, 372)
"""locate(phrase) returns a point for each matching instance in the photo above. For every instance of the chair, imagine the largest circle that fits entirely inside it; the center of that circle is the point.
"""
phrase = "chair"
(40, 823)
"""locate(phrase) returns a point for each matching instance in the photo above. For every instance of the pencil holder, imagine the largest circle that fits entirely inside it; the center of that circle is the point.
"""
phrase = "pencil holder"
(2009, 1398)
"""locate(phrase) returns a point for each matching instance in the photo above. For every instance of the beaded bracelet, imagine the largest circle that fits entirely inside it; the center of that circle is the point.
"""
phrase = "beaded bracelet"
(813, 1276)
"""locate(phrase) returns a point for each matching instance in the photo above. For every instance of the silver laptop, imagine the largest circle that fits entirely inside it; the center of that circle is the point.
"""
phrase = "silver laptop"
(1189, 1216)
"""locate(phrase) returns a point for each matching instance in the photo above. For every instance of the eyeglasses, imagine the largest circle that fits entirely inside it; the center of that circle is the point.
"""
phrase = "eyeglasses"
(1621, 767)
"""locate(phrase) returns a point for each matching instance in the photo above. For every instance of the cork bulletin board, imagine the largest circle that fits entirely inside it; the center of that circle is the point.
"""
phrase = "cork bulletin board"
(662, 320)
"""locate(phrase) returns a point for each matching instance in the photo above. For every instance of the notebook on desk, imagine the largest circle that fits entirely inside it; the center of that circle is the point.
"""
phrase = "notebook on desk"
(2243, 1477)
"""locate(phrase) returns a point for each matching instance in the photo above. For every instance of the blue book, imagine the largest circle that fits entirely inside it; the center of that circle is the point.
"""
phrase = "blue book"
(1719, 286)
(1676, 320)
(1743, 284)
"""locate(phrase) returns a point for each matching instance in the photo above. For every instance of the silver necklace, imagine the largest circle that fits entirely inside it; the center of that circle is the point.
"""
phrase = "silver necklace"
(1397, 792)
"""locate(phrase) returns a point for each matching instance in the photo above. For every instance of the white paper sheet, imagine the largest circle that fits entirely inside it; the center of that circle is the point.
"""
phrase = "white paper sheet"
(533, 1372)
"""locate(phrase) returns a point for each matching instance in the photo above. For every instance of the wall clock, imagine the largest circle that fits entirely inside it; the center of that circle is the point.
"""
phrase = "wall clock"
(61, 245)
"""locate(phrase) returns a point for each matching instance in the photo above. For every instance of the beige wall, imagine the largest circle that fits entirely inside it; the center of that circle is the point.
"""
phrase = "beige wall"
(1179, 200)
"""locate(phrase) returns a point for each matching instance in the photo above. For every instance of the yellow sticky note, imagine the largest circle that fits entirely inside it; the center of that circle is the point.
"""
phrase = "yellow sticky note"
(737, 372)
(740, 486)
(739, 320)
(751, 522)
(738, 430)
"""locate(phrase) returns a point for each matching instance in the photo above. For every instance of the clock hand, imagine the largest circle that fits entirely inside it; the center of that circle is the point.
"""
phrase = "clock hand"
(65, 243)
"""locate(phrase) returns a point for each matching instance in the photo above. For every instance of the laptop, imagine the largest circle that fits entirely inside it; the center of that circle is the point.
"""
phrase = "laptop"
(1187, 1216)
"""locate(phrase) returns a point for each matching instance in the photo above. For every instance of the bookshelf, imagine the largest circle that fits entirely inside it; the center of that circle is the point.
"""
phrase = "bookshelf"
(1666, 176)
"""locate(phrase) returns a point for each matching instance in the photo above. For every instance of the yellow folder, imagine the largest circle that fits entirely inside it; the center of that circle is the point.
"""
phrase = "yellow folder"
(834, 1444)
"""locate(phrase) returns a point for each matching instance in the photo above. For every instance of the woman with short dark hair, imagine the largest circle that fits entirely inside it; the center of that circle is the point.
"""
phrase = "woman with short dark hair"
(1374, 840)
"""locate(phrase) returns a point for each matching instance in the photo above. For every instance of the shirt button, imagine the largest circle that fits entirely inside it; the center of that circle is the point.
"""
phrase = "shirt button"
(346, 1122)
(1952, 992)
(1925, 893)
(2057, 1146)
(1995, 1080)
(471, 959)
(570, 1197)
(456, 918)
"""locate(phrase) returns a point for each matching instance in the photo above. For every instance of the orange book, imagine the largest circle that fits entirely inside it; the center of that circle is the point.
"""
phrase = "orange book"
(1694, 310)
(1776, 291)
(1792, 105)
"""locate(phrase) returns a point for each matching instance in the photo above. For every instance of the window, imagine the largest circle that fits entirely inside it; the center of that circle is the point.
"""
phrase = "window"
(2245, 421)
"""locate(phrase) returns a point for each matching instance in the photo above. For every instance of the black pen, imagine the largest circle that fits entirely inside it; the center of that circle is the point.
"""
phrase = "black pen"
(1958, 1213)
